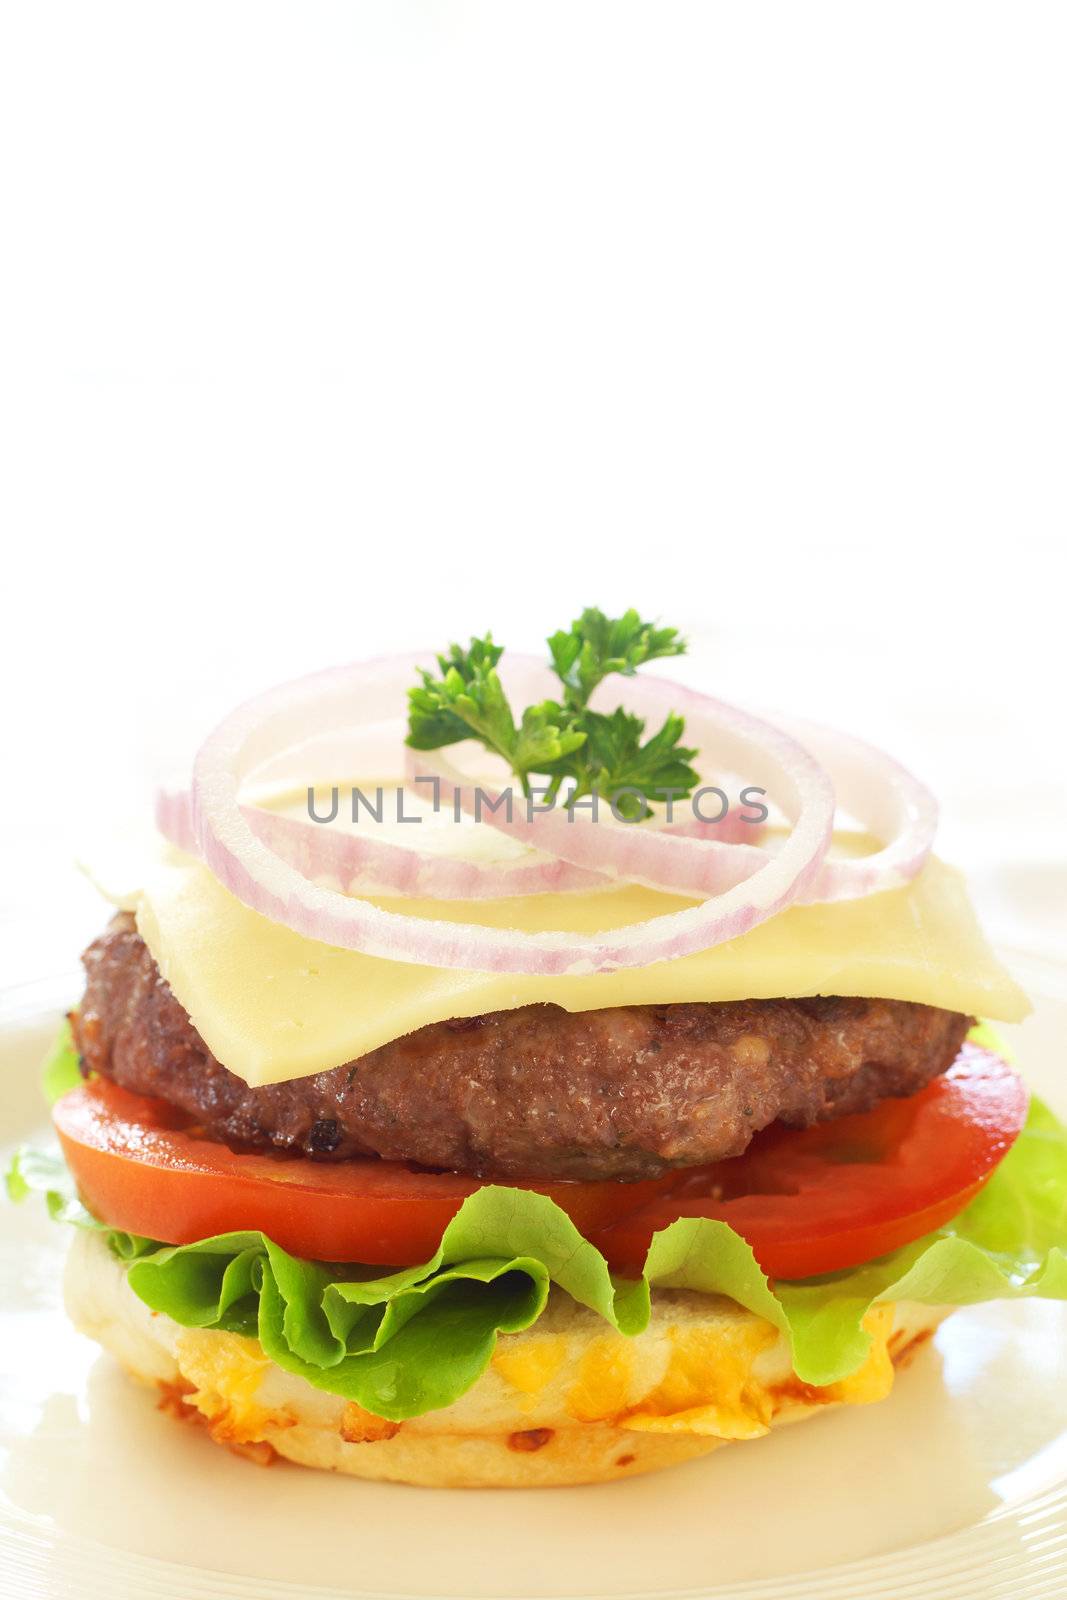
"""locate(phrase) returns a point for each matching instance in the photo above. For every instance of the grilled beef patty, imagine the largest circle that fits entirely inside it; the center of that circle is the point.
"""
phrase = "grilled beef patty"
(535, 1093)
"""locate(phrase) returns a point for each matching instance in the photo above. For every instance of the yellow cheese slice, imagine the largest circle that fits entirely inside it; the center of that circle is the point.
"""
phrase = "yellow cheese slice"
(272, 1005)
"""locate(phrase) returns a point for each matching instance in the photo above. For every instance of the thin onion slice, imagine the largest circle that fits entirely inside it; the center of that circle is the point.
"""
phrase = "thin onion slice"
(885, 799)
(261, 879)
(363, 864)
(697, 864)
(889, 802)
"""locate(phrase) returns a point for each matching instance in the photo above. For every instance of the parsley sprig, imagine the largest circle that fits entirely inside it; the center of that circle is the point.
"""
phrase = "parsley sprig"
(468, 700)
(596, 645)
(602, 752)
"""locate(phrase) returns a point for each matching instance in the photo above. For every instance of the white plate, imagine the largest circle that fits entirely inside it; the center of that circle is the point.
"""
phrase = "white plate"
(954, 1487)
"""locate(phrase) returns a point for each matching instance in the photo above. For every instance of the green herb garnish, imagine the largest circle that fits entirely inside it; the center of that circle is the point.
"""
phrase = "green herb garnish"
(563, 740)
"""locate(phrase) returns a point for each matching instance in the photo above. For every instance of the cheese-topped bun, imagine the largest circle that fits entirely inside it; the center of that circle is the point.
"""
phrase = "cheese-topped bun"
(567, 1402)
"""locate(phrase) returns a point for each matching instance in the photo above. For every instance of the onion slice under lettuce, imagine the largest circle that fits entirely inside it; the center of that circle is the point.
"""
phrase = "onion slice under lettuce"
(311, 707)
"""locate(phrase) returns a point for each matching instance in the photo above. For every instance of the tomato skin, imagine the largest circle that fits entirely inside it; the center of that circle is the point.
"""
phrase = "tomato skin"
(822, 1199)
(808, 1201)
(140, 1169)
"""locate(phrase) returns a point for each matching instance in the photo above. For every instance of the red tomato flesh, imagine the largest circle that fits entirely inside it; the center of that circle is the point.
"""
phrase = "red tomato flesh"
(808, 1201)
(141, 1166)
(841, 1193)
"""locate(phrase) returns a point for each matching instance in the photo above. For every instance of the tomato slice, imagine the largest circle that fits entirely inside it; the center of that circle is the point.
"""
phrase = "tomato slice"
(808, 1201)
(841, 1193)
(140, 1166)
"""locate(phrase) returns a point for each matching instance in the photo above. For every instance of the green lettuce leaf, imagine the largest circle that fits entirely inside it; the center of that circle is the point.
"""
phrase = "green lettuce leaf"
(62, 1069)
(44, 1172)
(415, 1340)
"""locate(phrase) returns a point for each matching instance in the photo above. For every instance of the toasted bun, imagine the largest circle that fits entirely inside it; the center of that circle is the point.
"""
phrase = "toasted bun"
(568, 1402)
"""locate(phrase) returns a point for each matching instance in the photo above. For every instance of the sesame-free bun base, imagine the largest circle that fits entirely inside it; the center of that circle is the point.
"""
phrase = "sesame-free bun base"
(567, 1402)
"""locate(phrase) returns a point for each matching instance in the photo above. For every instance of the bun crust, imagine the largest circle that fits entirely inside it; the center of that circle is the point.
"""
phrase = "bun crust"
(567, 1402)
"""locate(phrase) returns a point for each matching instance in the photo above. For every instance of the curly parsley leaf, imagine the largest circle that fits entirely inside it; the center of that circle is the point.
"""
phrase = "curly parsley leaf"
(468, 701)
(546, 734)
(614, 759)
(597, 645)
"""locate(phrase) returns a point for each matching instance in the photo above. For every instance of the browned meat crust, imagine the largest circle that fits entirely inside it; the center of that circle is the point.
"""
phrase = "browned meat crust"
(533, 1093)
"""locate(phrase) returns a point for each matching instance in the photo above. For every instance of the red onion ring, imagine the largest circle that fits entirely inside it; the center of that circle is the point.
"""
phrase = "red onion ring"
(901, 807)
(362, 864)
(885, 798)
(261, 879)
(890, 803)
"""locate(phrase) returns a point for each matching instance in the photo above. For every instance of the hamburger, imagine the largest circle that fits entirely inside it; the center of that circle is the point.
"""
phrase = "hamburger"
(602, 1125)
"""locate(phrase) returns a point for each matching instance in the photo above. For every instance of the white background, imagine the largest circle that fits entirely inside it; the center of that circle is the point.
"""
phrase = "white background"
(330, 328)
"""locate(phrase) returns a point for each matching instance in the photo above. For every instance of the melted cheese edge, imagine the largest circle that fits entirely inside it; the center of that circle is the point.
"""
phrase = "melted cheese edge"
(272, 1005)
